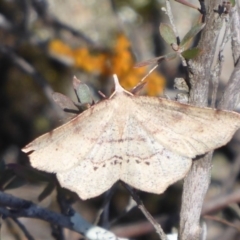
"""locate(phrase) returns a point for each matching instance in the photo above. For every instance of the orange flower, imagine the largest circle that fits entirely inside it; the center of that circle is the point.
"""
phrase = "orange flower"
(58, 47)
(120, 62)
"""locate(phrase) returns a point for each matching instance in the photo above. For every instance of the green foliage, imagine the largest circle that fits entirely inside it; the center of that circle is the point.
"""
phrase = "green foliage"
(167, 33)
(82, 91)
(191, 53)
(191, 34)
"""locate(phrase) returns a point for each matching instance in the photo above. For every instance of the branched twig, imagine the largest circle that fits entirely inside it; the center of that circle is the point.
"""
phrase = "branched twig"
(57, 231)
(171, 19)
(235, 30)
(219, 202)
(131, 205)
(41, 8)
(150, 218)
(105, 207)
(8, 200)
(197, 181)
(58, 24)
(216, 72)
(228, 182)
(223, 221)
(231, 96)
(22, 208)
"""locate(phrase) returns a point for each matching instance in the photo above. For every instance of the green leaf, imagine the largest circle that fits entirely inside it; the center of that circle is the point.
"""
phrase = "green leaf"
(16, 182)
(46, 191)
(191, 34)
(64, 102)
(167, 33)
(84, 94)
(82, 91)
(191, 53)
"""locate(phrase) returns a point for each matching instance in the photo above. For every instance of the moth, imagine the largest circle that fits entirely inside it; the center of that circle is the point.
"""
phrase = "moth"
(147, 142)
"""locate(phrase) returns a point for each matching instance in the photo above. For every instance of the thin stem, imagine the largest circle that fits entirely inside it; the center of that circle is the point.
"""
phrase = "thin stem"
(150, 218)
(216, 73)
(23, 228)
(15, 208)
(223, 221)
(171, 19)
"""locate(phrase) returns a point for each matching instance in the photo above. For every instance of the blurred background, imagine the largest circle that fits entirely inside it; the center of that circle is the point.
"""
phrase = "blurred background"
(43, 44)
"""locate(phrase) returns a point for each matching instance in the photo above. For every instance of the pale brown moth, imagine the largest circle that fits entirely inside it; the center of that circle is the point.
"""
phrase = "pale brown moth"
(147, 142)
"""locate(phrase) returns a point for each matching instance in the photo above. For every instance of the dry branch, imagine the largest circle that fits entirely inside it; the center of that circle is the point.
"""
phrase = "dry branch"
(14, 207)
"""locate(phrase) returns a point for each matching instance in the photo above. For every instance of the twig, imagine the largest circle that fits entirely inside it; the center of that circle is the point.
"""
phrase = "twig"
(233, 174)
(197, 181)
(216, 73)
(107, 198)
(229, 232)
(57, 232)
(11, 228)
(231, 96)
(5, 24)
(120, 24)
(186, 3)
(13, 202)
(131, 205)
(23, 26)
(149, 72)
(23, 228)
(23, 208)
(150, 218)
(219, 202)
(235, 30)
(41, 8)
(171, 19)
(202, 9)
(31, 71)
(138, 228)
(1, 224)
(58, 24)
(223, 221)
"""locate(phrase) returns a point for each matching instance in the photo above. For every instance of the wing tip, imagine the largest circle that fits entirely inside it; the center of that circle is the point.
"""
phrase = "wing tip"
(28, 149)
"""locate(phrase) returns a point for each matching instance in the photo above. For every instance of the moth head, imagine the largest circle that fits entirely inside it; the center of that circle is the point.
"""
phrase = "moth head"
(119, 90)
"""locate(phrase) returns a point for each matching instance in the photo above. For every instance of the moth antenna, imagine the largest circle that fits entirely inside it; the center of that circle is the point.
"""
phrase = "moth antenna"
(102, 94)
(150, 71)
